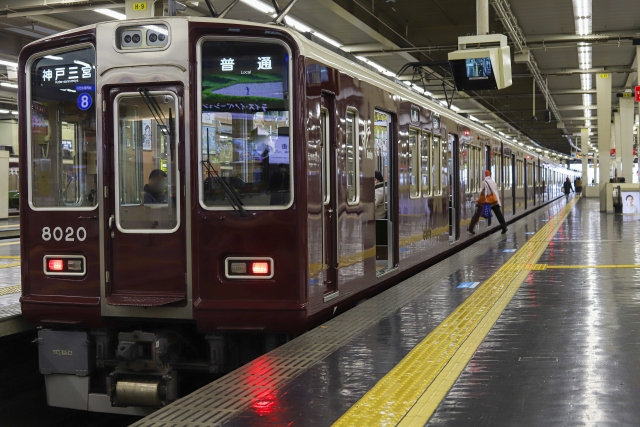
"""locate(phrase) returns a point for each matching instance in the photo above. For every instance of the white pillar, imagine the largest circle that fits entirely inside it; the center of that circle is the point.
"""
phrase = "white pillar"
(627, 106)
(584, 146)
(616, 137)
(482, 17)
(603, 97)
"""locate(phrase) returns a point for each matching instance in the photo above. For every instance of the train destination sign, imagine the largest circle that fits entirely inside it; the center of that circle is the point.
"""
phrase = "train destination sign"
(65, 74)
(244, 77)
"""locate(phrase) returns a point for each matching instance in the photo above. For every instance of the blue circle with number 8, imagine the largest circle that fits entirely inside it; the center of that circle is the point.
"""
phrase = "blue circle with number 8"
(84, 101)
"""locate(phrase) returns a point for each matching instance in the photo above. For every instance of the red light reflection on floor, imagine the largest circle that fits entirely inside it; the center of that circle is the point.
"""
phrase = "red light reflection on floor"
(264, 406)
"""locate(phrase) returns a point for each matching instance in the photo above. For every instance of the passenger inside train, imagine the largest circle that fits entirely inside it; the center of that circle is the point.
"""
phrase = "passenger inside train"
(155, 189)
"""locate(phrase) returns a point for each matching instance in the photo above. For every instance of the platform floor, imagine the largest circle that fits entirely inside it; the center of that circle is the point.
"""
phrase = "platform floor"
(10, 315)
(538, 327)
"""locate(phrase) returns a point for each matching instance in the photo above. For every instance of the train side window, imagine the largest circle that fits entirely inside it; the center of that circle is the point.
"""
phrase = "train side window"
(62, 138)
(326, 158)
(414, 163)
(352, 157)
(436, 164)
(425, 173)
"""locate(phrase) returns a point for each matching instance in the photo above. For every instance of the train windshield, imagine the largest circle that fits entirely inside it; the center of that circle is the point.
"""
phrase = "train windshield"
(245, 124)
(62, 139)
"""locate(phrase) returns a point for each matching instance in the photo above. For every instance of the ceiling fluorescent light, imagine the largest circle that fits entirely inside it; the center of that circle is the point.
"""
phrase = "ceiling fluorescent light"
(55, 58)
(11, 85)
(111, 13)
(157, 29)
(501, 133)
(327, 39)
(15, 113)
(454, 108)
(297, 24)
(4, 111)
(258, 5)
(8, 63)
(490, 127)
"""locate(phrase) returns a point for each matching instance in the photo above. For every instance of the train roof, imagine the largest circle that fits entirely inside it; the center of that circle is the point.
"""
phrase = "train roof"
(312, 49)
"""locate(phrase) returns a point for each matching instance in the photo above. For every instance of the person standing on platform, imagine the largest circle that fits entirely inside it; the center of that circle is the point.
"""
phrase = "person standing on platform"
(578, 186)
(489, 194)
(567, 189)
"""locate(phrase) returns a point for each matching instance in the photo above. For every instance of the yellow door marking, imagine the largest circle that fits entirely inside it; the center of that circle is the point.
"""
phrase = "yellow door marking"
(10, 290)
(413, 389)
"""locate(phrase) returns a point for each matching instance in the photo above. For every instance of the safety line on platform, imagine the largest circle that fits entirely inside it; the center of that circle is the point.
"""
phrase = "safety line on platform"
(10, 290)
(583, 267)
(10, 243)
(10, 264)
(410, 393)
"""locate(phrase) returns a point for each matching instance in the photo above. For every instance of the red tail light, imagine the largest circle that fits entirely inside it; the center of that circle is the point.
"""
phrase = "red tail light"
(56, 265)
(260, 267)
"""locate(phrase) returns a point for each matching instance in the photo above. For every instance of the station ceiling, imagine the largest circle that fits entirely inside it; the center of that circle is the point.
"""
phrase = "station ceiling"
(393, 33)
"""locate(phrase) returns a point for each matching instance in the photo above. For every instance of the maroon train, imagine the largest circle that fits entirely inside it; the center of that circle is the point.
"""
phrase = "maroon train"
(195, 181)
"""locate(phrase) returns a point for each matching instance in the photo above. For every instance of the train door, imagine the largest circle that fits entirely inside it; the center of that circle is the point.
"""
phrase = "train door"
(514, 183)
(330, 196)
(145, 251)
(453, 170)
(386, 162)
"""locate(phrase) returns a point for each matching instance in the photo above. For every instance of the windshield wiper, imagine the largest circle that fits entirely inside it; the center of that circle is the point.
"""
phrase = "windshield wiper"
(229, 191)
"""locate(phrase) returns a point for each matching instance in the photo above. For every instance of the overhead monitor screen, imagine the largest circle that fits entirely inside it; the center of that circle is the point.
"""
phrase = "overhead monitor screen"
(473, 73)
(478, 68)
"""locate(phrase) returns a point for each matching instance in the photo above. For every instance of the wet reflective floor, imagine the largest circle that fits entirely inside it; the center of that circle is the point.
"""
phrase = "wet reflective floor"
(321, 394)
(565, 351)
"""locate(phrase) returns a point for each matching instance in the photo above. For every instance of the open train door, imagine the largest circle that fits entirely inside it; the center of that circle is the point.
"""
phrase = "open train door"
(144, 230)
(453, 169)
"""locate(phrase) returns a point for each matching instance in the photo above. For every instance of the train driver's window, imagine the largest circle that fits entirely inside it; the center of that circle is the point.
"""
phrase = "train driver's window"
(245, 156)
(414, 163)
(146, 162)
(62, 140)
(352, 157)
(425, 167)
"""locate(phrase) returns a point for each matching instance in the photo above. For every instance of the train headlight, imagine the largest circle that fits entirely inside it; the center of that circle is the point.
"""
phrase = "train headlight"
(248, 268)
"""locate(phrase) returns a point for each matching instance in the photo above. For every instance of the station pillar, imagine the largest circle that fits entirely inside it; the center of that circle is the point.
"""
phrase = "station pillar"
(603, 97)
(627, 106)
(584, 147)
(615, 138)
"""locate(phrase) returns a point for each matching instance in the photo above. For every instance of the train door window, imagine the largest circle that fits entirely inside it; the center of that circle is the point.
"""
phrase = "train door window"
(425, 166)
(464, 168)
(353, 157)
(507, 172)
(436, 164)
(62, 139)
(326, 172)
(414, 163)
(479, 172)
(154, 205)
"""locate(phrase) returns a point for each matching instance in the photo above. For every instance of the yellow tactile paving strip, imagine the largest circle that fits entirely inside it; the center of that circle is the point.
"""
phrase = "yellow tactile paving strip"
(10, 290)
(411, 391)
(583, 267)
(9, 264)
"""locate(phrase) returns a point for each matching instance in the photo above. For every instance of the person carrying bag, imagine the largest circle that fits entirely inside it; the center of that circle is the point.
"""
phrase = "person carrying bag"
(487, 202)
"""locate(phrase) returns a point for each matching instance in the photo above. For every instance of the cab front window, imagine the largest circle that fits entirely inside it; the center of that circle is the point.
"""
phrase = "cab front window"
(245, 155)
(62, 139)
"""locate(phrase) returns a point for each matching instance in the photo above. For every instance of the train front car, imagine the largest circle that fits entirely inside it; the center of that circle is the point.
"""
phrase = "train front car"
(161, 217)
